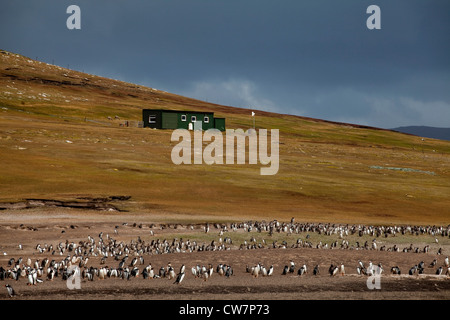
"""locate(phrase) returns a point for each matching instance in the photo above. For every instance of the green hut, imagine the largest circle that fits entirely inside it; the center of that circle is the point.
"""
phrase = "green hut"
(175, 119)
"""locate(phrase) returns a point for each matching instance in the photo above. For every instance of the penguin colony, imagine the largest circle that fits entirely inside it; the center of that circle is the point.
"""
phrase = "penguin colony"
(129, 257)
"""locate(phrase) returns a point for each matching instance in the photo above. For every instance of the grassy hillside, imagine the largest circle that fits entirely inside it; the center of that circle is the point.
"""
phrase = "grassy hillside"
(56, 142)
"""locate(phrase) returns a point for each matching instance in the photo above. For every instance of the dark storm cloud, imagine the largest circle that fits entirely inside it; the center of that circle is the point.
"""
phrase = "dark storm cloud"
(312, 58)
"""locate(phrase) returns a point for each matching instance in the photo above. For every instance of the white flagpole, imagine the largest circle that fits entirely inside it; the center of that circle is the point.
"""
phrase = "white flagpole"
(254, 120)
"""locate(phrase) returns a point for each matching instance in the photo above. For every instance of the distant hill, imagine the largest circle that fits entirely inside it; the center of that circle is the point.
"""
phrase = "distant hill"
(63, 139)
(426, 132)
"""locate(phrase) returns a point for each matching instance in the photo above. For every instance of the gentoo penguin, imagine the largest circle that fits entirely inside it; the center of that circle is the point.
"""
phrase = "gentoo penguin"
(194, 272)
(333, 270)
(270, 271)
(145, 273)
(11, 292)
(395, 270)
(51, 274)
(301, 271)
(412, 270)
(2, 273)
(228, 272)
(10, 262)
(31, 279)
(360, 270)
(114, 273)
(205, 274)
(433, 263)
(135, 272)
(380, 268)
(342, 269)
(421, 270)
(446, 262)
(285, 270)
(370, 269)
(263, 271)
(210, 270)
(182, 268)
(102, 272)
(439, 271)
(162, 272)
(304, 268)
(292, 267)
(151, 273)
(316, 270)
(361, 264)
(255, 271)
(126, 274)
(180, 278)
(421, 265)
(172, 274)
(221, 269)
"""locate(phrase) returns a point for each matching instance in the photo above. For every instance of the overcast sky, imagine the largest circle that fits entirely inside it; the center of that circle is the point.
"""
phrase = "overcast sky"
(313, 58)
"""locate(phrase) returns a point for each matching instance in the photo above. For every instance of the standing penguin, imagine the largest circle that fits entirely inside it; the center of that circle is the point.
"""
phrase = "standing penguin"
(194, 272)
(11, 292)
(316, 270)
(439, 271)
(210, 269)
(270, 272)
(301, 271)
(413, 270)
(205, 273)
(162, 272)
(285, 270)
(171, 273)
(145, 273)
(264, 271)
(333, 270)
(342, 269)
(433, 263)
(135, 272)
(361, 264)
(395, 270)
(180, 278)
(292, 267)
(229, 272)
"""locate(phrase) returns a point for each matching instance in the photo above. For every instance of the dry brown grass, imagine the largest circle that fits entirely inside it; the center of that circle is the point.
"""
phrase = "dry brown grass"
(324, 174)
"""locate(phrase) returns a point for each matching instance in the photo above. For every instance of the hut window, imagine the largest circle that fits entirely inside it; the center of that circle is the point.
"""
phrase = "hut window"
(193, 119)
(183, 117)
(206, 119)
(152, 119)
